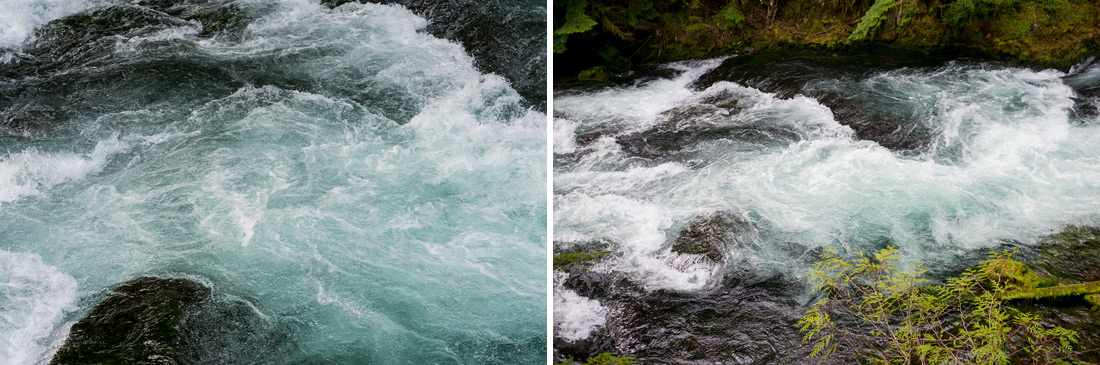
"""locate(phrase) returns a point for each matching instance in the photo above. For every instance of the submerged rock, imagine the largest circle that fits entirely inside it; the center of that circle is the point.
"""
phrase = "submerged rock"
(708, 235)
(154, 320)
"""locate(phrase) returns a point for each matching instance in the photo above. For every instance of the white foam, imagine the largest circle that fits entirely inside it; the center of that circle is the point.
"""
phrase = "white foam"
(30, 172)
(1007, 164)
(633, 108)
(34, 298)
(575, 317)
(19, 18)
(565, 135)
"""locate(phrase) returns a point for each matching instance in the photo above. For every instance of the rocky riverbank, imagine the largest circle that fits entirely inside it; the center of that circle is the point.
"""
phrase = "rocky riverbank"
(595, 38)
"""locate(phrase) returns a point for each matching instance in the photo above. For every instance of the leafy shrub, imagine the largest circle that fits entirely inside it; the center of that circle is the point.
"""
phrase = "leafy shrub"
(897, 317)
(576, 21)
(730, 17)
(959, 13)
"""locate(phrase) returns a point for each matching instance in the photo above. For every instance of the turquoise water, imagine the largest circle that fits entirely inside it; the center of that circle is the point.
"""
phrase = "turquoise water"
(367, 190)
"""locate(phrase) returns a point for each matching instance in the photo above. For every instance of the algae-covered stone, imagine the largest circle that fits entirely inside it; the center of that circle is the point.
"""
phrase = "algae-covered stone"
(707, 235)
(578, 255)
(154, 320)
(569, 258)
(598, 73)
(1016, 274)
(138, 324)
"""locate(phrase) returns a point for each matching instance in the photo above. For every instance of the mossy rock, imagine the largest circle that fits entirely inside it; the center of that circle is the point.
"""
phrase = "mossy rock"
(570, 258)
(707, 235)
(154, 320)
(138, 324)
(1083, 290)
(595, 74)
(1016, 274)
(1094, 300)
(602, 359)
(578, 255)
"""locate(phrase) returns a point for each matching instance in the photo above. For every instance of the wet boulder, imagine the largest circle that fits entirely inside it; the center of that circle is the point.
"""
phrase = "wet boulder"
(1071, 255)
(217, 18)
(138, 324)
(154, 320)
(709, 235)
(505, 38)
(90, 35)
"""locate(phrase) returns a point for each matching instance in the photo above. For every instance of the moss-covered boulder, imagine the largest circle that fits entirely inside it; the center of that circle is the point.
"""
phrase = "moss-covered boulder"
(1024, 284)
(138, 324)
(154, 320)
(1016, 274)
(707, 235)
(578, 255)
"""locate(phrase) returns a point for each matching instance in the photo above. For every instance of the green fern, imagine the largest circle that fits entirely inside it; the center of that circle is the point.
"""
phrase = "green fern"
(964, 320)
(871, 20)
(576, 21)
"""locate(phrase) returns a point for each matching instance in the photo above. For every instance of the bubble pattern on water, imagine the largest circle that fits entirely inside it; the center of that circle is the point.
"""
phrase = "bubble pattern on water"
(355, 179)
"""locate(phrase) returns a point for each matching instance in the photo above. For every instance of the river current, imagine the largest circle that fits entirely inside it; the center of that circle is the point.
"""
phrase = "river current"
(369, 192)
(943, 158)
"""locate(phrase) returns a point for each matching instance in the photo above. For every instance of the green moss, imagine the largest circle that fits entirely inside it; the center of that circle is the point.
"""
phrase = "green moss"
(695, 25)
(959, 13)
(603, 359)
(1083, 289)
(564, 259)
(908, 11)
(1015, 274)
(1041, 33)
(1094, 300)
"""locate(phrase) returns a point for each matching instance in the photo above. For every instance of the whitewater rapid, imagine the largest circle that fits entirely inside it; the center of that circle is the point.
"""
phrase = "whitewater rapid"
(1002, 156)
(368, 191)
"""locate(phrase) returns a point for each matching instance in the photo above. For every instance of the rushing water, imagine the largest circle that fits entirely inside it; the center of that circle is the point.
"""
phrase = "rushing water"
(358, 182)
(941, 159)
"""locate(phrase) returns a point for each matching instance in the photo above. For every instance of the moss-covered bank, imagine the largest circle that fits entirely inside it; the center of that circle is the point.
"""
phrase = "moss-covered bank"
(615, 34)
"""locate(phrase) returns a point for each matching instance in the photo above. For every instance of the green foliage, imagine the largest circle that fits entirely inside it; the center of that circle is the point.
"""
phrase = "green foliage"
(695, 24)
(959, 13)
(640, 10)
(576, 21)
(577, 257)
(730, 17)
(900, 319)
(598, 74)
(871, 20)
(908, 10)
(603, 359)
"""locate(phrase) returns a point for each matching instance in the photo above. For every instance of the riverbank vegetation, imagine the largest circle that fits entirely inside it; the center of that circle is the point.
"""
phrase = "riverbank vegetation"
(594, 38)
(891, 313)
